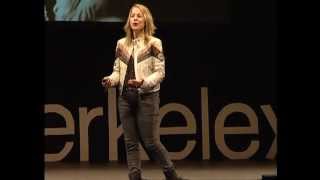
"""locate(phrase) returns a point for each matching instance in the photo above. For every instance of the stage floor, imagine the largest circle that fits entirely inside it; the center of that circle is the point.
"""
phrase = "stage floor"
(193, 170)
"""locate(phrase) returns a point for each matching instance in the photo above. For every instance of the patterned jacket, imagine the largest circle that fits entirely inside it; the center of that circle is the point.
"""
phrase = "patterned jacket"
(149, 63)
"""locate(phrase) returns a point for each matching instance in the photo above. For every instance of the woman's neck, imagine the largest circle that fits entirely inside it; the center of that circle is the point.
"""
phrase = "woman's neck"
(138, 34)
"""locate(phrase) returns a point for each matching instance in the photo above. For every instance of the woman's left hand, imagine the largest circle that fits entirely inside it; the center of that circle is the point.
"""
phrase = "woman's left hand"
(135, 83)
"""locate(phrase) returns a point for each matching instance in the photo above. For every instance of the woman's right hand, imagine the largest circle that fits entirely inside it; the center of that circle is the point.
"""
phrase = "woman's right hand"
(106, 82)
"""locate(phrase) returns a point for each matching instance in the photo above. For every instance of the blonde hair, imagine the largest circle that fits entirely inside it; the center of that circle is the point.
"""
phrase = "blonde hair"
(149, 27)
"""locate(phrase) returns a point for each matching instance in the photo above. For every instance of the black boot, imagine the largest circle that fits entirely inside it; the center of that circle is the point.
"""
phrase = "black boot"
(171, 174)
(136, 176)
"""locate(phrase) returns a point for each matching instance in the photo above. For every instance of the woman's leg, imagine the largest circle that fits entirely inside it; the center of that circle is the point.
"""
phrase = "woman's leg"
(131, 139)
(148, 126)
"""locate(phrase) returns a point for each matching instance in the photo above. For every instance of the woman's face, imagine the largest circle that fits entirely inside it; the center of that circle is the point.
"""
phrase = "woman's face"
(137, 21)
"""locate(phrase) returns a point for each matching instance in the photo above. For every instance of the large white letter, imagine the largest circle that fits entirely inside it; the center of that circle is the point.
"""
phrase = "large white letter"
(189, 129)
(68, 130)
(205, 123)
(221, 130)
(85, 119)
(271, 117)
(114, 131)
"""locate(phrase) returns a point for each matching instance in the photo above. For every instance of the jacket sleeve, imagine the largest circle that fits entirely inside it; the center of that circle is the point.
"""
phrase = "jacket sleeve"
(159, 66)
(115, 75)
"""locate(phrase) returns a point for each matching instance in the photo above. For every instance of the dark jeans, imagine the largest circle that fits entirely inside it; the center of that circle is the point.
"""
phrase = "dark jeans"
(140, 122)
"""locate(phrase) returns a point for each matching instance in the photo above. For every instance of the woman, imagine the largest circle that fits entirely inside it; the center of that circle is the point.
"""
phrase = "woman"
(138, 70)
